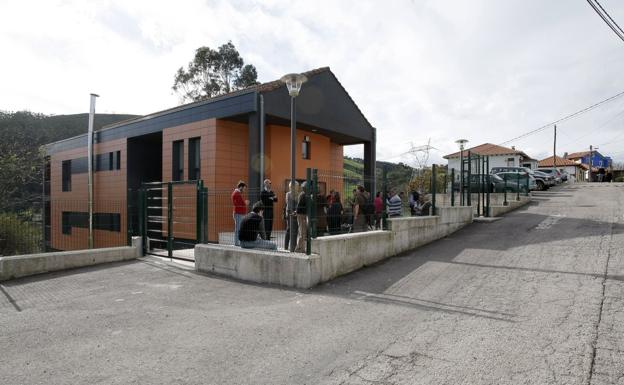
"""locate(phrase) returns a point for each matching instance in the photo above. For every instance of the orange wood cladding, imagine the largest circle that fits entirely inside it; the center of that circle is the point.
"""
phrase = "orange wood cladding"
(109, 190)
(224, 160)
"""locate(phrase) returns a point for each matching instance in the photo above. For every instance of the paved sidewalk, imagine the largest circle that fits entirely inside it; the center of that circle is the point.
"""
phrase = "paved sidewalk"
(535, 298)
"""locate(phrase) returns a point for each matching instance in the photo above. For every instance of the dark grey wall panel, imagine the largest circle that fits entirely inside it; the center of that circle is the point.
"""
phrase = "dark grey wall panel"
(323, 103)
(234, 105)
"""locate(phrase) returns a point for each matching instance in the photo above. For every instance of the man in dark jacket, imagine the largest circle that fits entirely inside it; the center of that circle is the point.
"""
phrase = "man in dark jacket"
(267, 196)
(251, 227)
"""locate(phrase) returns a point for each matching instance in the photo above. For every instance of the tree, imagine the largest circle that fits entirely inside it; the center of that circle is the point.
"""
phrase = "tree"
(214, 72)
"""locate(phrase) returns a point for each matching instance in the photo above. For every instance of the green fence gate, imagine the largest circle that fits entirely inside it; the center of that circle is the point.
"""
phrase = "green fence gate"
(173, 217)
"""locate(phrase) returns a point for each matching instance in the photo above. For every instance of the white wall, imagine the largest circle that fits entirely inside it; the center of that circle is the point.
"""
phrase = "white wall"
(495, 161)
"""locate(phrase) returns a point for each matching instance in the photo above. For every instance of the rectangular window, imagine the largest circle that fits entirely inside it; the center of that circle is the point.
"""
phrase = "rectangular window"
(194, 159)
(306, 148)
(101, 221)
(66, 175)
(178, 161)
(111, 161)
(65, 223)
(107, 221)
(118, 160)
(510, 162)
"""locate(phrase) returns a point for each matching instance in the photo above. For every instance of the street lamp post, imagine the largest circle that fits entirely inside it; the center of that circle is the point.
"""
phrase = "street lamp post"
(293, 83)
(461, 143)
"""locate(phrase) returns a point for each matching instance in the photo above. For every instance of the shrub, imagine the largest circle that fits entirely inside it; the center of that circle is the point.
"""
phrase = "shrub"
(18, 236)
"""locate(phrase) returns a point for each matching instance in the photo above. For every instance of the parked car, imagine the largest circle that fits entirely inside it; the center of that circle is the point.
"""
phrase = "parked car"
(564, 176)
(497, 184)
(543, 180)
(553, 172)
(496, 170)
(515, 179)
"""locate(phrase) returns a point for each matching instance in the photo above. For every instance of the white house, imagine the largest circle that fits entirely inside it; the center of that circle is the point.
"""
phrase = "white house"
(574, 169)
(499, 157)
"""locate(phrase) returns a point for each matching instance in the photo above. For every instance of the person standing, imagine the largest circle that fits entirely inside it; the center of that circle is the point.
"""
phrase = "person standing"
(378, 210)
(239, 208)
(359, 215)
(267, 196)
(334, 214)
(394, 205)
(289, 211)
(302, 219)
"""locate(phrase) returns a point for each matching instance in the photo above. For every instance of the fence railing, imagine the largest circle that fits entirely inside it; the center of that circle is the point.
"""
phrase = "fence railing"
(62, 225)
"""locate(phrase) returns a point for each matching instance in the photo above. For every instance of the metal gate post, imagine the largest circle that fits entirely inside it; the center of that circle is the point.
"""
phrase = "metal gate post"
(314, 202)
(143, 219)
(169, 219)
(461, 178)
(469, 196)
(384, 213)
(199, 210)
(452, 187)
(527, 184)
(518, 187)
(308, 209)
(479, 185)
(433, 188)
(205, 215)
(489, 184)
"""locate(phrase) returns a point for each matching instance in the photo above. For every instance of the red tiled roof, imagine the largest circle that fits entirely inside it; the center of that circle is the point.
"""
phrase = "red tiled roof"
(548, 162)
(488, 149)
(577, 155)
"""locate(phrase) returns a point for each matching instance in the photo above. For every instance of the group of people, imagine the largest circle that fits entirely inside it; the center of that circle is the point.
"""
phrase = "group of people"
(253, 229)
(418, 203)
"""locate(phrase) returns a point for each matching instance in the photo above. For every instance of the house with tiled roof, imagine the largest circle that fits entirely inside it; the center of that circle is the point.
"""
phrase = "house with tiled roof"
(597, 159)
(574, 169)
(500, 156)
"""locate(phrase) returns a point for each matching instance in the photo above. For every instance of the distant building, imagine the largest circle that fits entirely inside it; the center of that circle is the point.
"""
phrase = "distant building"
(576, 170)
(598, 160)
(499, 157)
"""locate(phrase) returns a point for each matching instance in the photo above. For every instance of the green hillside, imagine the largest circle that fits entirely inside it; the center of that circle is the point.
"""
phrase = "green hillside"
(21, 135)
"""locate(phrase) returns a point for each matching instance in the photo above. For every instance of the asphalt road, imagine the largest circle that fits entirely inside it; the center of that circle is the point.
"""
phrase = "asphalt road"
(535, 298)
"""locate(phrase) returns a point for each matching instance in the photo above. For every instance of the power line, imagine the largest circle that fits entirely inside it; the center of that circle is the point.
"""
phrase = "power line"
(608, 19)
(567, 117)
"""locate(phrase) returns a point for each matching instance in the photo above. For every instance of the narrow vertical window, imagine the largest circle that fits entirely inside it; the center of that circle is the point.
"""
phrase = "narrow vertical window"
(65, 222)
(178, 160)
(194, 159)
(111, 164)
(118, 160)
(306, 148)
(66, 175)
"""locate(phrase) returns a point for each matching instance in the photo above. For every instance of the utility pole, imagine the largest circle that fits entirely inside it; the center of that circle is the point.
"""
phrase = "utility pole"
(591, 155)
(555, 148)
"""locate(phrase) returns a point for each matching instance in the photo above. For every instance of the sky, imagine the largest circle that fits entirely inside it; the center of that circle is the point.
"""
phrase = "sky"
(420, 71)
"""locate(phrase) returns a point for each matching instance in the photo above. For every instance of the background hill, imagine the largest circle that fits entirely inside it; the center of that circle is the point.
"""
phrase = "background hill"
(21, 135)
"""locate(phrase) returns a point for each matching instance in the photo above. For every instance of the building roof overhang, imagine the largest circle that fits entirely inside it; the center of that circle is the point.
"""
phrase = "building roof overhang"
(323, 106)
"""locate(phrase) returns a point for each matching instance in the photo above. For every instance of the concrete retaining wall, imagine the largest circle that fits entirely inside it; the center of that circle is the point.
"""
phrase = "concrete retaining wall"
(497, 211)
(332, 256)
(31, 264)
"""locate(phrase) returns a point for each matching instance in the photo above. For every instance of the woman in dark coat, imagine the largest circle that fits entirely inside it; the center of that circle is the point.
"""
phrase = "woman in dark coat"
(334, 215)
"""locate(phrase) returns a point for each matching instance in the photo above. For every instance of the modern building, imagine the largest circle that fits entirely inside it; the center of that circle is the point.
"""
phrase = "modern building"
(499, 156)
(243, 135)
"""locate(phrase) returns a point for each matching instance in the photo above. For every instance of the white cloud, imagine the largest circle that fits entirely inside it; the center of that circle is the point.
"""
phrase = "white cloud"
(482, 70)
